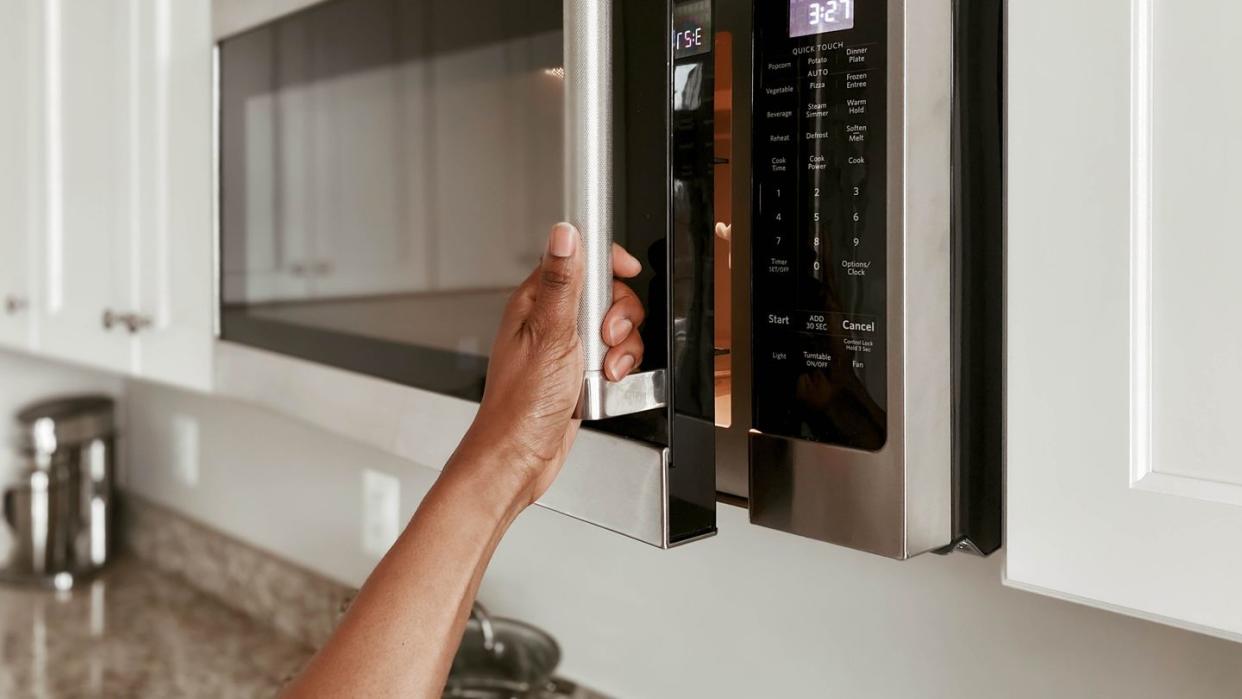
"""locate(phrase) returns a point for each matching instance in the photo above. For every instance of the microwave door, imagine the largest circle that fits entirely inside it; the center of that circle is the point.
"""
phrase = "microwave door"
(638, 154)
(388, 171)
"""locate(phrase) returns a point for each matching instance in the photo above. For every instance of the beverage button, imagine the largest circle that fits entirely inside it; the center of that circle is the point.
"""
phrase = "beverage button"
(778, 115)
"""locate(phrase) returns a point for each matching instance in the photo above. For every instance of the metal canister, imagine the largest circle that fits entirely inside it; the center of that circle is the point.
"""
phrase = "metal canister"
(58, 510)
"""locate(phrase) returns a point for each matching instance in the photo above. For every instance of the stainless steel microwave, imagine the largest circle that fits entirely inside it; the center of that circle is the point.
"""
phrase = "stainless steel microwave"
(814, 188)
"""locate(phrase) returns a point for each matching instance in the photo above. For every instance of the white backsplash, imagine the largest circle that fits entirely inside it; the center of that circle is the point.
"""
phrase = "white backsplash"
(750, 613)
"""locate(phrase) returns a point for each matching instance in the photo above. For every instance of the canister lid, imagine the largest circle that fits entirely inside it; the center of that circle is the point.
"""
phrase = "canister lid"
(66, 421)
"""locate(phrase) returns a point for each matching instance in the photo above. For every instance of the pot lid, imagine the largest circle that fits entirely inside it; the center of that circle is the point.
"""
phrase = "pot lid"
(502, 658)
(65, 421)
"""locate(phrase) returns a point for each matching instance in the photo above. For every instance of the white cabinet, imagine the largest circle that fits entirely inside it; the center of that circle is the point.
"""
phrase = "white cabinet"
(122, 241)
(90, 200)
(1124, 347)
(173, 245)
(19, 179)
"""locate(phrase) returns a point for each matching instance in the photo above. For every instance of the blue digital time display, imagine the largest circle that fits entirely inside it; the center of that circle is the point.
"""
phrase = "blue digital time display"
(807, 17)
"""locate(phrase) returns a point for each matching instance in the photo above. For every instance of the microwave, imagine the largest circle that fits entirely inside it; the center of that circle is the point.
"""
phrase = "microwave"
(814, 189)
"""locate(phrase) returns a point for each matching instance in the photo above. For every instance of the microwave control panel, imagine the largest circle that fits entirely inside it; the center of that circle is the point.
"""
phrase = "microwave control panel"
(819, 197)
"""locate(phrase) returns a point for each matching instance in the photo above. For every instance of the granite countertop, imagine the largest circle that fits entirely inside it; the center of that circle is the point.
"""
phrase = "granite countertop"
(185, 611)
(136, 632)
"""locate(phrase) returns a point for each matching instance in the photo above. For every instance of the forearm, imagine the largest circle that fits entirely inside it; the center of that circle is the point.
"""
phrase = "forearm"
(400, 634)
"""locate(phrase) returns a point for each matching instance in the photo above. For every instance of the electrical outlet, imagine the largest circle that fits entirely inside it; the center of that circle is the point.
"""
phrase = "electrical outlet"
(381, 511)
(185, 449)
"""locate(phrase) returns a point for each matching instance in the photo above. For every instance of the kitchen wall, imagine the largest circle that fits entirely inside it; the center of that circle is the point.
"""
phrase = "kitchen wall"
(750, 613)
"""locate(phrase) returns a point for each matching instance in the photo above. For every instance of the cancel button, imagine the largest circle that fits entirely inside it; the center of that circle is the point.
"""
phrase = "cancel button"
(858, 327)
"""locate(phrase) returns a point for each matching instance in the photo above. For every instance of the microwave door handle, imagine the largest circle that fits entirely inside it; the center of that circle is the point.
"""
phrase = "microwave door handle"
(589, 188)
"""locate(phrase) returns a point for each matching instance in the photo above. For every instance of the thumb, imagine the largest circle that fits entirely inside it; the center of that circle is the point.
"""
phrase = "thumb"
(559, 285)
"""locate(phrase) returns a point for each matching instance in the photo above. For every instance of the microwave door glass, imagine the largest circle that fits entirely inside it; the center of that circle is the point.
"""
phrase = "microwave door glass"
(390, 171)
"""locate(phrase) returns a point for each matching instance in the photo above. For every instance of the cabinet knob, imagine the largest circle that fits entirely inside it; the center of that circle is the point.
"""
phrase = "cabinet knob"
(133, 322)
(136, 322)
(15, 304)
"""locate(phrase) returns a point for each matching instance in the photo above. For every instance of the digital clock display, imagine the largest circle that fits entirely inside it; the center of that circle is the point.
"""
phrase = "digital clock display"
(692, 28)
(807, 17)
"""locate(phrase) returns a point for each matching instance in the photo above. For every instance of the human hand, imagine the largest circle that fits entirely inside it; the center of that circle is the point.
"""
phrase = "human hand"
(535, 374)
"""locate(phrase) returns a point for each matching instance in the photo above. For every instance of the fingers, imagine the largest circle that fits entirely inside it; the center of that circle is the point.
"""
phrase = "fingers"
(627, 313)
(558, 283)
(624, 264)
(621, 334)
(624, 358)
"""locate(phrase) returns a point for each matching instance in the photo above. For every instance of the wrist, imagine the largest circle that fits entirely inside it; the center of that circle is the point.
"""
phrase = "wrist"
(494, 474)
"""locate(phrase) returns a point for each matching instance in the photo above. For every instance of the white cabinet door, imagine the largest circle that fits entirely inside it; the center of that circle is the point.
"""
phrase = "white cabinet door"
(173, 241)
(1124, 341)
(19, 152)
(90, 194)
(127, 228)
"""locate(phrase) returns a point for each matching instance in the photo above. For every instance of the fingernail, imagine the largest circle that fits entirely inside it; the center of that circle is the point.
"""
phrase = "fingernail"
(562, 241)
(621, 327)
(622, 366)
